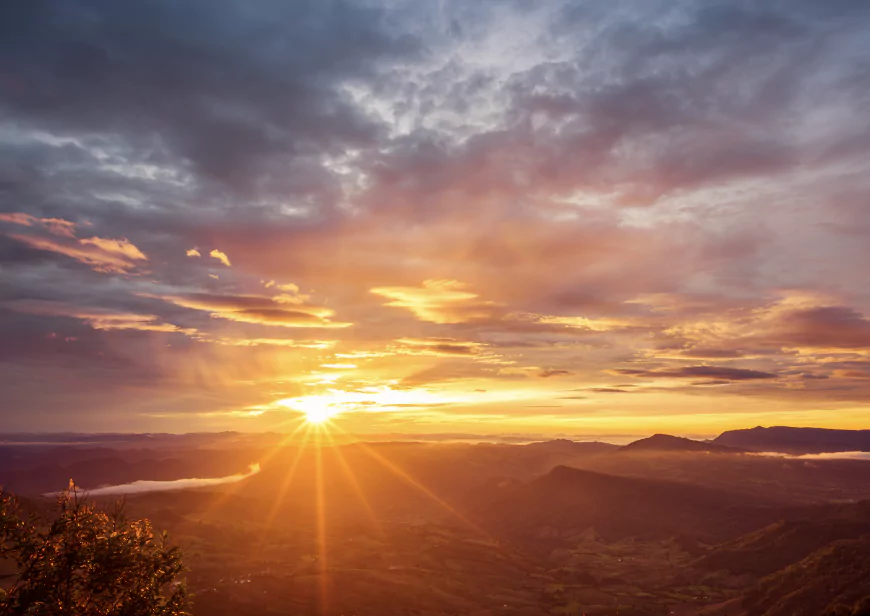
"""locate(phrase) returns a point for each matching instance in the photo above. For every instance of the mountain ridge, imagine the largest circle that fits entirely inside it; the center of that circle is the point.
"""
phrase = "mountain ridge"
(667, 442)
(795, 441)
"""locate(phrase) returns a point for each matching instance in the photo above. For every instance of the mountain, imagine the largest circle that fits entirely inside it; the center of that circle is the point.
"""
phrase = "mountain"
(567, 501)
(796, 441)
(666, 442)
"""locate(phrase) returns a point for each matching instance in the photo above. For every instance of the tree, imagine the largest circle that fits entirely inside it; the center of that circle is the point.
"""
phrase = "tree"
(87, 562)
(861, 608)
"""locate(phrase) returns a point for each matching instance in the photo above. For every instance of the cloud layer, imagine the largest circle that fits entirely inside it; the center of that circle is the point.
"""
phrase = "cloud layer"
(202, 205)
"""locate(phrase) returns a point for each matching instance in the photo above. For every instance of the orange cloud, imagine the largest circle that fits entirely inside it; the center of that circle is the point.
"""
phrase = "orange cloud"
(254, 342)
(797, 322)
(440, 346)
(220, 256)
(18, 218)
(289, 292)
(439, 301)
(193, 252)
(584, 323)
(102, 255)
(120, 246)
(55, 226)
(97, 318)
(255, 309)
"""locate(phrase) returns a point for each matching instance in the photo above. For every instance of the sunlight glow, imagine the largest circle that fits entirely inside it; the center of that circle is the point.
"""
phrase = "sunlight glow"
(316, 411)
(318, 408)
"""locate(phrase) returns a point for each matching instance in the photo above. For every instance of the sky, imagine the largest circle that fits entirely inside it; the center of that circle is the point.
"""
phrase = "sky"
(434, 216)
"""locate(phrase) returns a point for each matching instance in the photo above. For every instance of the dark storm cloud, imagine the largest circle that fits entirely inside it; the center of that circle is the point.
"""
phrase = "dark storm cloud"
(226, 88)
(663, 97)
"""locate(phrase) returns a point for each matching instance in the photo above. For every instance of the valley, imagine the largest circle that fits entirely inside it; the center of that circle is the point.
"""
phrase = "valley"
(662, 526)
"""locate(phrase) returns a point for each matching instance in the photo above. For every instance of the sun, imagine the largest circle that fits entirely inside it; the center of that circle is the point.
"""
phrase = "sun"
(317, 411)
(318, 416)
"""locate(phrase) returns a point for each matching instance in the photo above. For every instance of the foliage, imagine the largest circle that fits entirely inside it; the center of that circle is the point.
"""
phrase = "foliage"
(87, 562)
(861, 608)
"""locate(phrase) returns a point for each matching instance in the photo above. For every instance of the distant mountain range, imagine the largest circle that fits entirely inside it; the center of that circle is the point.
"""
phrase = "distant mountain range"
(777, 439)
(795, 441)
(666, 442)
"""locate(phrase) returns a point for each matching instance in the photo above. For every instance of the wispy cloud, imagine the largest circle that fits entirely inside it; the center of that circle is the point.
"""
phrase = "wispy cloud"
(102, 255)
(55, 226)
(439, 301)
(694, 372)
(257, 309)
(97, 318)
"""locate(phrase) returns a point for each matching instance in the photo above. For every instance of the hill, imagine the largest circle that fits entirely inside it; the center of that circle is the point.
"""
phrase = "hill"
(796, 441)
(836, 576)
(790, 540)
(567, 501)
(666, 442)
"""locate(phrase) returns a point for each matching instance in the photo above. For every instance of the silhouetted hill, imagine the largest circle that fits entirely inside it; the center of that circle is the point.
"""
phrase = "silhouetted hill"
(786, 542)
(666, 442)
(783, 439)
(836, 575)
(567, 501)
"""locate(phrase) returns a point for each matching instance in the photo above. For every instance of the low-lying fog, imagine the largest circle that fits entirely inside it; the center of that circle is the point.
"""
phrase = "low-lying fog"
(839, 455)
(138, 487)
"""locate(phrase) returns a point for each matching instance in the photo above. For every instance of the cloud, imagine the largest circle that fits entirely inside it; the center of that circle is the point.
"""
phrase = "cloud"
(439, 301)
(276, 342)
(18, 218)
(220, 256)
(584, 323)
(289, 286)
(141, 486)
(592, 175)
(55, 226)
(121, 247)
(255, 309)
(794, 322)
(97, 318)
(839, 455)
(440, 346)
(102, 255)
(548, 372)
(693, 372)
(193, 252)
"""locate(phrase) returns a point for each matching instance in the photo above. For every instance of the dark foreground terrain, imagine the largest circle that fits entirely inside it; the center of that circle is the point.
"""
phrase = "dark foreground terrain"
(663, 526)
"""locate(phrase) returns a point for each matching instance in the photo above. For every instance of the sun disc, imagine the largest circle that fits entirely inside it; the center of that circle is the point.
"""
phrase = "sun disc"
(318, 414)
